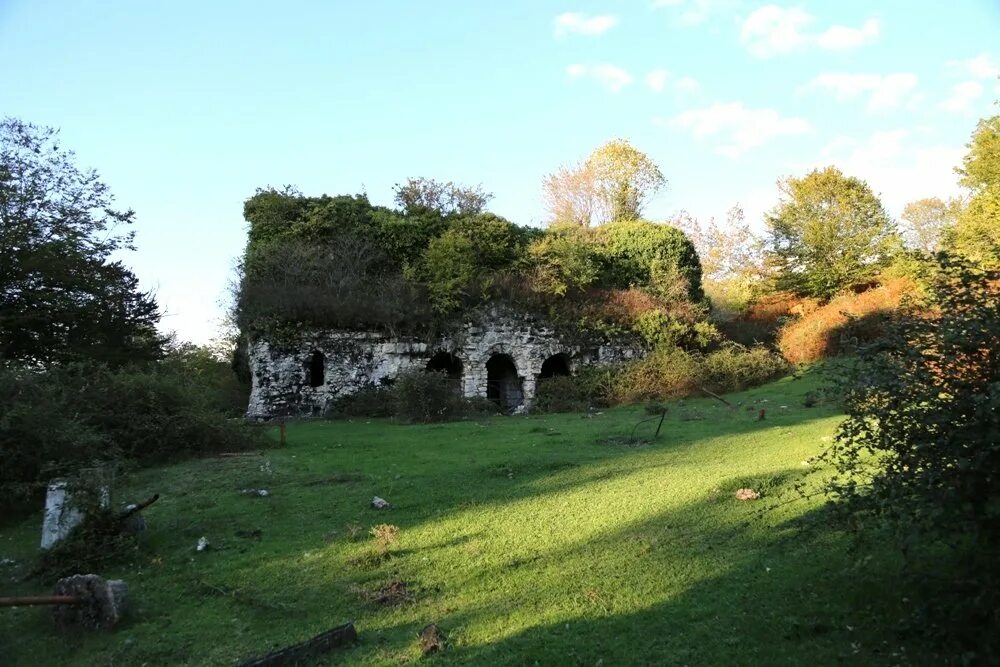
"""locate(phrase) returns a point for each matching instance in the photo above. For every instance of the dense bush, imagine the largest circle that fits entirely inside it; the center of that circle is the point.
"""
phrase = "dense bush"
(674, 373)
(919, 452)
(342, 262)
(589, 388)
(844, 323)
(734, 368)
(52, 422)
(666, 373)
(419, 396)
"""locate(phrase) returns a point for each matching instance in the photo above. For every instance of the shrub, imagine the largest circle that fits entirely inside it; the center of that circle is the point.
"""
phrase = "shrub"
(419, 397)
(848, 320)
(561, 394)
(919, 452)
(734, 367)
(52, 422)
(665, 373)
(372, 401)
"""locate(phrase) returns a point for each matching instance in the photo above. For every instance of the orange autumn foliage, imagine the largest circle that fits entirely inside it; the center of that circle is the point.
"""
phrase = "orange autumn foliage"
(822, 330)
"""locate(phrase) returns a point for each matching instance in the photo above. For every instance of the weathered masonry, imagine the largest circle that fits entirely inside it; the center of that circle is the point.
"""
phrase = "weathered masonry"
(500, 357)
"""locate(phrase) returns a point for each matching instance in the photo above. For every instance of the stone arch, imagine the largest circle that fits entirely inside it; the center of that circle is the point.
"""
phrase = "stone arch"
(557, 364)
(316, 369)
(503, 385)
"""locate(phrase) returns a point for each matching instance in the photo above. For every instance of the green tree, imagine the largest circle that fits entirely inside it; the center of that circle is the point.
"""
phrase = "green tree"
(638, 253)
(614, 183)
(624, 179)
(828, 232)
(420, 195)
(976, 235)
(564, 260)
(61, 296)
(927, 219)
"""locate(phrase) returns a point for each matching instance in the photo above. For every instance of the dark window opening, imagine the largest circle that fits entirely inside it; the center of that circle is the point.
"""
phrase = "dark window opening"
(450, 365)
(503, 386)
(557, 364)
(316, 370)
(447, 362)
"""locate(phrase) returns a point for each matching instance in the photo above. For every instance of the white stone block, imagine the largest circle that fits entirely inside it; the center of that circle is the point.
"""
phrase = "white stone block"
(62, 514)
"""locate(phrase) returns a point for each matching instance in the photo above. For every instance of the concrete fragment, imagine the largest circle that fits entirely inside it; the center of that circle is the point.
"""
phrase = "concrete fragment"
(102, 603)
(63, 512)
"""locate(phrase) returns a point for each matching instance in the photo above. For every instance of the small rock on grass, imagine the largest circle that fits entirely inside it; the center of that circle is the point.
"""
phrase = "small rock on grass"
(746, 494)
(202, 544)
(380, 503)
(432, 639)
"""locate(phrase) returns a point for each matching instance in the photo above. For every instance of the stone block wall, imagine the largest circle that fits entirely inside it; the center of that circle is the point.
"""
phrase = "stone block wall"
(353, 360)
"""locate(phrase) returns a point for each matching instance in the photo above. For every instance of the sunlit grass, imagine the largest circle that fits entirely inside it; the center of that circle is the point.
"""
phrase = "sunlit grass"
(523, 538)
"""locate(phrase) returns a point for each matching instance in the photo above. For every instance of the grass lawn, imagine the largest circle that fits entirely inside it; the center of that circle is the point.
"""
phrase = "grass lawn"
(529, 540)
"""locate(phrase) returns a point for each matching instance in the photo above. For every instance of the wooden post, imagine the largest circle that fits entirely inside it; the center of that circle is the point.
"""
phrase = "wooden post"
(284, 435)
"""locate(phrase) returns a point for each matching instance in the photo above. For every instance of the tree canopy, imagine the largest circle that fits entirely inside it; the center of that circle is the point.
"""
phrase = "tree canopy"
(976, 234)
(828, 232)
(62, 297)
(343, 262)
(613, 183)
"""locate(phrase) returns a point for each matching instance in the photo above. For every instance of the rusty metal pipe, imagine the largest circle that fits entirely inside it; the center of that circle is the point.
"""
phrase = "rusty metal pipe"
(36, 600)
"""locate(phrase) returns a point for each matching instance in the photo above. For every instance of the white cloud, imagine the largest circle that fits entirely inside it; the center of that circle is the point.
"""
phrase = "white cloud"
(899, 171)
(982, 66)
(661, 80)
(962, 96)
(742, 128)
(657, 80)
(772, 30)
(609, 76)
(694, 12)
(575, 23)
(838, 37)
(884, 91)
(688, 84)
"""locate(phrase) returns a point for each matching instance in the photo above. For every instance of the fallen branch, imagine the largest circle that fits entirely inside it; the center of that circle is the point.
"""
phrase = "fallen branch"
(716, 396)
(322, 643)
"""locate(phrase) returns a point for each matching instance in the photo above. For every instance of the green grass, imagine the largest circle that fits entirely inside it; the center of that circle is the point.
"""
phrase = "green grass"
(526, 539)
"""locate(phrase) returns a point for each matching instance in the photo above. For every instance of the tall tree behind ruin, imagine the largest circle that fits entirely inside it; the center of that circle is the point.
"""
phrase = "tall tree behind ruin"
(613, 183)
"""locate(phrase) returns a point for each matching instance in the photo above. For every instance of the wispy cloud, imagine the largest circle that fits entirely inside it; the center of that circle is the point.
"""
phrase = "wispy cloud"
(983, 66)
(897, 166)
(962, 96)
(661, 80)
(610, 77)
(772, 30)
(740, 127)
(693, 12)
(576, 23)
(657, 80)
(884, 91)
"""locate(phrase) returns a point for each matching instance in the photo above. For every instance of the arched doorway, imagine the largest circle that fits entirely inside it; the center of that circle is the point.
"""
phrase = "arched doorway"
(503, 386)
(450, 365)
(316, 369)
(557, 364)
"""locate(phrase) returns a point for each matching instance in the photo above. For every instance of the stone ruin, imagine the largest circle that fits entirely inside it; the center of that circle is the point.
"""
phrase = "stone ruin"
(500, 356)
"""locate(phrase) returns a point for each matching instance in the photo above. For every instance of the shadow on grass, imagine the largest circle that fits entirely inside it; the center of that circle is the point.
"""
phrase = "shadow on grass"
(775, 592)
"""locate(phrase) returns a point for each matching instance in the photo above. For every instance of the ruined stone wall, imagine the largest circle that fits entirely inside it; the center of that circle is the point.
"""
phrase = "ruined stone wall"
(353, 360)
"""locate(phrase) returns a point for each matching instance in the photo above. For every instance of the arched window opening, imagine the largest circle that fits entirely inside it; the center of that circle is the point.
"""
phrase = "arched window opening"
(450, 365)
(503, 386)
(557, 364)
(316, 369)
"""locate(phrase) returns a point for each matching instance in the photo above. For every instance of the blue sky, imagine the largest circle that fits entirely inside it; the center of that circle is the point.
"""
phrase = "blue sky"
(185, 108)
